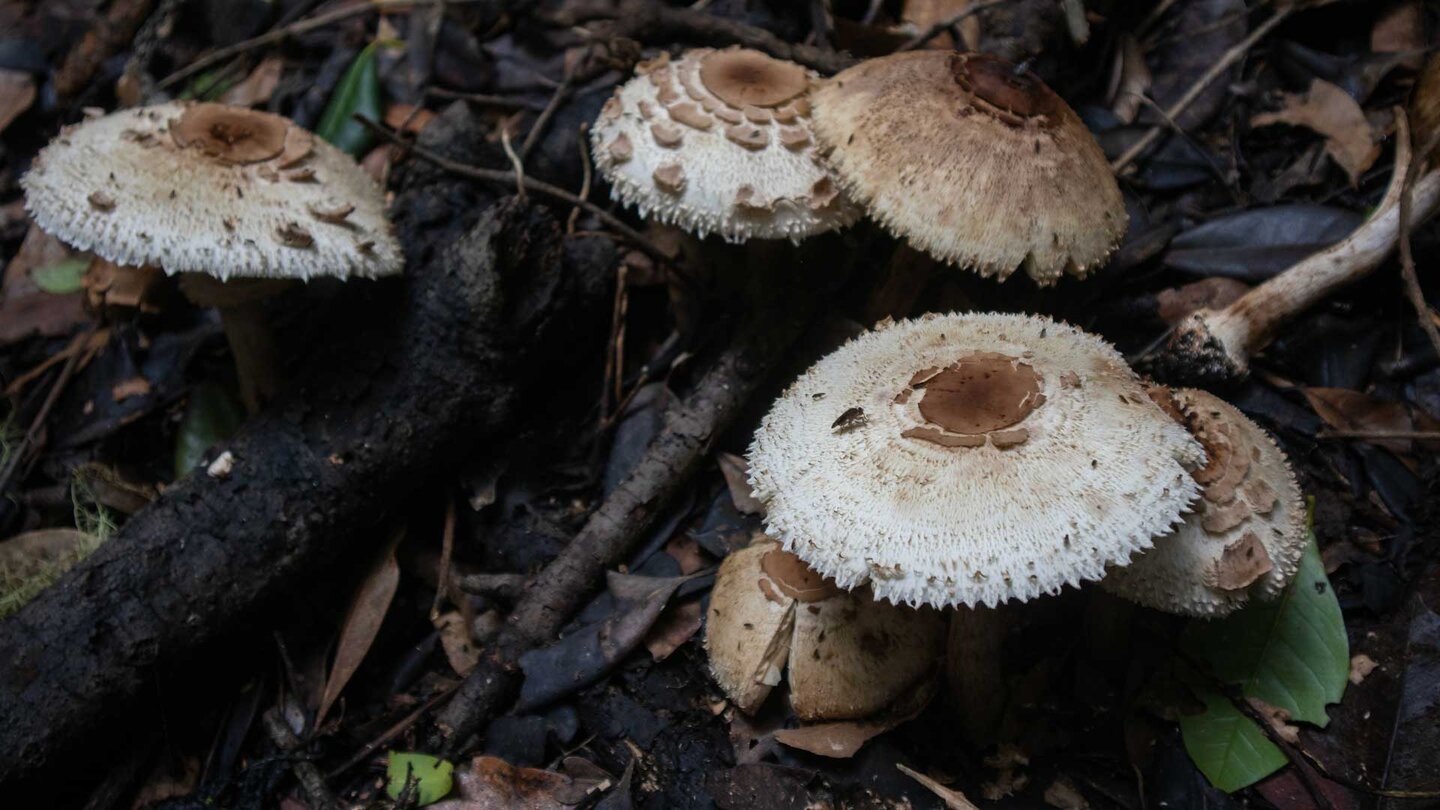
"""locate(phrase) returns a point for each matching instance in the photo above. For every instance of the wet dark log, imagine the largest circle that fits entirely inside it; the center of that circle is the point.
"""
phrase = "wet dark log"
(443, 364)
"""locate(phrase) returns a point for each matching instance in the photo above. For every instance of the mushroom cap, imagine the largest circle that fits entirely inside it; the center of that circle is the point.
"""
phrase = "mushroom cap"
(968, 459)
(206, 188)
(847, 656)
(972, 163)
(719, 141)
(1247, 533)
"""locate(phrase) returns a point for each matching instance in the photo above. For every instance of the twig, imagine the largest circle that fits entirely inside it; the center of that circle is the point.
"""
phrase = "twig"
(294, 29)
(647, 20)
(587, 173)
(485, 99)
(107, 36)
(1206, 79)
(509, 178)
(368, 749)
(1413, 292)
(515, 163)
(447, 549)
(1417, 435)
(20, 453)
(311, 781)
(543, 120)
(505, 587)
(948, 23)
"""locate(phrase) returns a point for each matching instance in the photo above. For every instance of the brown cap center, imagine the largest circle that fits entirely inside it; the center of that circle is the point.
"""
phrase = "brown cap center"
(997, 83)
(795, 579)
(231, 134)
(740, 78)
(978, 394)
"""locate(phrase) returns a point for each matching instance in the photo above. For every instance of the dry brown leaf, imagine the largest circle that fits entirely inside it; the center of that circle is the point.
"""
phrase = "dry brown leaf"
(133, 387)
(736, 471)
(362, 622)
(1401, 29)
(924, 13)
(1217, 292)
(838, 740)
(491, 783)
(111, 285)
(954, 799)
(455, 639)
(27, 310)
(1331, 112)
(258, 86)
(1346, 410)
(1131, 81)
(408, 117)
(686, 553)
(1062, 794)
(1361, 665)
(17, 93)
(677, 625)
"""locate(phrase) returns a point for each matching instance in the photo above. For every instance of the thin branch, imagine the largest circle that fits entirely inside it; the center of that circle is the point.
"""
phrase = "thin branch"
(1206, 79)
(1407, 256)
(1418, 435)
(505, 178)
(486, 99)
(295, 29)
(948, 23)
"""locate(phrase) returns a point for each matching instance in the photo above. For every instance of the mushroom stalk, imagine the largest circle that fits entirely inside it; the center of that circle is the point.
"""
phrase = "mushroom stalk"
(1216, 345)
(253, 347)
(974, 669)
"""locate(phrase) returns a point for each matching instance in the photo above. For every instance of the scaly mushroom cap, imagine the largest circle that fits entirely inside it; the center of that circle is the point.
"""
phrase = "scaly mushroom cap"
(206, 188)
(720, 142)
(1247, 533)
(848, 656)
(966, 459)
(972, 163)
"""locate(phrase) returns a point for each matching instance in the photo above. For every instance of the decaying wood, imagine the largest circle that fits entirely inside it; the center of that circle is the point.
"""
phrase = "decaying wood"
(486, 310)
(111, 33)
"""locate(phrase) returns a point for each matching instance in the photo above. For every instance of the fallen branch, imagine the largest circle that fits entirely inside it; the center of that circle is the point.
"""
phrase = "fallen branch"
(625, 518)
(1214, 346)
(487, 311)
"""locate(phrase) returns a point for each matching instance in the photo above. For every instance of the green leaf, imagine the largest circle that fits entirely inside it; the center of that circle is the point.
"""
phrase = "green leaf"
(209, 85)
(1291, 653)
(64, 276)
(212, 417)
(358, 92)
(435, 776)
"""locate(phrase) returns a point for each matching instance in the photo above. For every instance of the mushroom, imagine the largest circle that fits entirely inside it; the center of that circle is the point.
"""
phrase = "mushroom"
(1247, 533)
(845, 655)
(970, 459)
(973, 161)
(719, 141)
(236, 201)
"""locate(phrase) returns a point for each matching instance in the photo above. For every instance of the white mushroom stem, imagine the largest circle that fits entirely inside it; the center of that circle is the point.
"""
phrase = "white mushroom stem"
(975, 671)
(1216, 345)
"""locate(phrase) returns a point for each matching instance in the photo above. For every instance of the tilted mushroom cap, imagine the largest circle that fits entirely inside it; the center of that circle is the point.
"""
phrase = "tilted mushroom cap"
(719, 141)
(206, 188)
(972, 163)
(964, 459)
(1247, 533)
(847, 655)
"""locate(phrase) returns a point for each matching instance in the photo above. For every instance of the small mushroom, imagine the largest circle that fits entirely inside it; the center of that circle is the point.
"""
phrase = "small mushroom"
(722, 127)
(181, 187)
(973, 161)
(844, 655)
(1246, 536)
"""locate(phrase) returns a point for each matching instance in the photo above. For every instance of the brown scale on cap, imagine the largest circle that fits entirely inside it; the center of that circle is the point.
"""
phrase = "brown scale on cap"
(690, 114)
(1243, 562)
(795, 579)
(231, 134)
(670, 178)
(983, 394)
(751, 137)
(1013, 97)
(743, 78)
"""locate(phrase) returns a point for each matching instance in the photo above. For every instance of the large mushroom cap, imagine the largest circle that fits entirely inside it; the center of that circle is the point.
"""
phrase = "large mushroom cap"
(206, 188)
(964, 459)
(972, 162)
(846, 655)
(719, 141)
(1247, 533)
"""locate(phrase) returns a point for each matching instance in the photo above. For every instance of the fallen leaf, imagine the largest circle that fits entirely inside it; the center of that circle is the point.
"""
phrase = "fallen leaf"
(1258, 243)
(1346, 410)
(1009, 779)
(258, 86)
(1361, 666)
(432, 776)
(133, 387)
(838, 740)
(924, 13)
(686, 553)
(408, 117)
(460, 649)
(17, 93)
(1400, 28)
(1349, 138)
(1217, 292)
(954, 799)
(112, 285)
(737, 473)
(677, 625)
(27, 310)
(491, 783)
(362, 622)
(1062, 794)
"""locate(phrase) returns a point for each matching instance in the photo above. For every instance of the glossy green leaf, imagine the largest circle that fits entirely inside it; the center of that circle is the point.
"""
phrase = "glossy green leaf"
(358, 92)
(64, 276)
(1292, 653)
(435, 776)
(212, 417)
